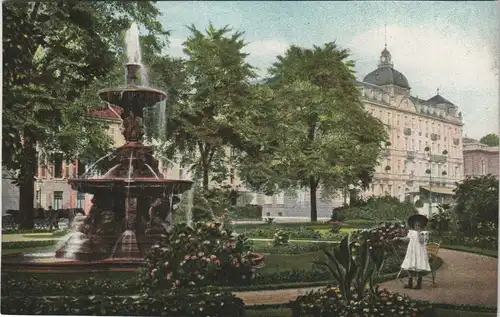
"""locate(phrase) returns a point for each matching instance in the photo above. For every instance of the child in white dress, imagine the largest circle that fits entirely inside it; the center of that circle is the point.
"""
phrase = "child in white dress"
(416, 259)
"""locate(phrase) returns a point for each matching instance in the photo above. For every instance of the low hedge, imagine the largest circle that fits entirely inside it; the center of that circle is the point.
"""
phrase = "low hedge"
(27, 244)
(301, 233)
(484, 242)
(247, 212)
(292, 248)
(177, 302)
(21, 231)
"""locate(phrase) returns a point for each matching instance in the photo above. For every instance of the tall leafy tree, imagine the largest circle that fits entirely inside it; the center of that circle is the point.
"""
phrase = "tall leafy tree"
(490, 139)
(202, 116)
(53, 53)
(321, 135)
(476, 203)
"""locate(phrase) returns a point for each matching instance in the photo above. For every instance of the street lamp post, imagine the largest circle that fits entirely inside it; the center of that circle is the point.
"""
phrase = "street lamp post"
(429, 171)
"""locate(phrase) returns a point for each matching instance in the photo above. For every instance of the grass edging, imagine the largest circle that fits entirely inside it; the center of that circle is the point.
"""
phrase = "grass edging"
(474, 250)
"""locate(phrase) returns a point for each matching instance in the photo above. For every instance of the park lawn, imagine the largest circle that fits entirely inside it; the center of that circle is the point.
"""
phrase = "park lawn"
(487, 252)
(279, 262)
(24, 250)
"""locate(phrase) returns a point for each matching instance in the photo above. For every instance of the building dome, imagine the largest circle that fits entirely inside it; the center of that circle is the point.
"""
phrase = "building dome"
(385, 74)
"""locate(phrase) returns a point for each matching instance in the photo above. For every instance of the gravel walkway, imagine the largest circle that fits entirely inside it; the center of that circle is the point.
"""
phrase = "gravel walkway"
(463, 279)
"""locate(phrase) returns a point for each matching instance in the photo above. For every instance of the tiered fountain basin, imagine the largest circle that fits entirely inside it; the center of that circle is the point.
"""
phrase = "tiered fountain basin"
(46, 262)
(146, 97)
(139, 186)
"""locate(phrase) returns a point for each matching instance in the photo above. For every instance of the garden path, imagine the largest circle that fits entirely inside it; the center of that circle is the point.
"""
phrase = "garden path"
(463, 279)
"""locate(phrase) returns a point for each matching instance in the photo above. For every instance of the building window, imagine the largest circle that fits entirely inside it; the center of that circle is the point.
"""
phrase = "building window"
(483, 168)
(58, 200)
(80, 200)
(80, 168)
(42, 171)
(66, 172)
(58, 168)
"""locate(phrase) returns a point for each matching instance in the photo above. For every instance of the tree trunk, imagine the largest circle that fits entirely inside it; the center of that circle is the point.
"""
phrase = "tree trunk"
(27, 182)
(313, 186)
(205, 176)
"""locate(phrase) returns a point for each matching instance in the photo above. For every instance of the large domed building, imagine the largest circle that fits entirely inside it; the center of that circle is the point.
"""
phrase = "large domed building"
(424, 152)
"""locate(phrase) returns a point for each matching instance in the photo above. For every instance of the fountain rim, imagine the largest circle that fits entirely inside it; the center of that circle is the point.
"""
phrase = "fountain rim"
(132, 180)
(118, 90)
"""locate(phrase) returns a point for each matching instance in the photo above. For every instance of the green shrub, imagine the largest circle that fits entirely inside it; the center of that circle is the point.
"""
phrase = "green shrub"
(419, 203)
(280, 238)
(29, 286)
(194, 257)
(338, 215)
(440, 222)
(175, 302)
(330, 302)
(378, 209)
(253, 212)
(27, 244)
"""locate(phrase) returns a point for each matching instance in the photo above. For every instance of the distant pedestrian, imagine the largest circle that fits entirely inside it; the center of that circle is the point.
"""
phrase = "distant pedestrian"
(53, 218)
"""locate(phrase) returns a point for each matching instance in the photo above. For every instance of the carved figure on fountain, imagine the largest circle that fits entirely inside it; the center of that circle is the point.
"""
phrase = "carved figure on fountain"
(133, 129)
(105, 233)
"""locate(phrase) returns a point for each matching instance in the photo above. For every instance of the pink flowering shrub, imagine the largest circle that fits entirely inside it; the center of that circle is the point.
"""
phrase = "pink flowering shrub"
(199, 256)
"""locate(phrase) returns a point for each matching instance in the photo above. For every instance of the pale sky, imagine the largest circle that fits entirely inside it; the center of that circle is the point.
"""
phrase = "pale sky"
(452, 46)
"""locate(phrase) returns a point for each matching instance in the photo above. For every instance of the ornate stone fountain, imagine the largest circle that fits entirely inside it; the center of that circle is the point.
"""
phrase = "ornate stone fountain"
(132, 201)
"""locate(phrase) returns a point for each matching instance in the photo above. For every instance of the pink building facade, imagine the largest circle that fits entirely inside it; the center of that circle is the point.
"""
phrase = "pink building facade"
(480, 159)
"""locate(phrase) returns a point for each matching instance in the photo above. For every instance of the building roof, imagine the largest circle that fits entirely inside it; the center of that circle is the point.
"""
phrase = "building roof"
(107, 113)
(438, 99)
(385, 74)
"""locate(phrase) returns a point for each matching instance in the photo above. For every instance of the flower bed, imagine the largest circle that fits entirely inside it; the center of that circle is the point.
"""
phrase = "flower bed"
(193, 257)
(330, 302)
(175, 302)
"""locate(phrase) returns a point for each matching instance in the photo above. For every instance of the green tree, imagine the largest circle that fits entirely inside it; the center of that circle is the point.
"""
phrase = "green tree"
(320, 136)
(54, 52)
(490, 139)
(202, 118)
(476, 202)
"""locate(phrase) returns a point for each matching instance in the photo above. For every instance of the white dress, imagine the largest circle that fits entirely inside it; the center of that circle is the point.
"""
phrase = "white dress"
(416, 258)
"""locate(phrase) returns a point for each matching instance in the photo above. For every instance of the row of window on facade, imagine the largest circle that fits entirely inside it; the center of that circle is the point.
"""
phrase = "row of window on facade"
(58, 168)
(442, 129)
(436, 148)
(58, 199)
(404, 166)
